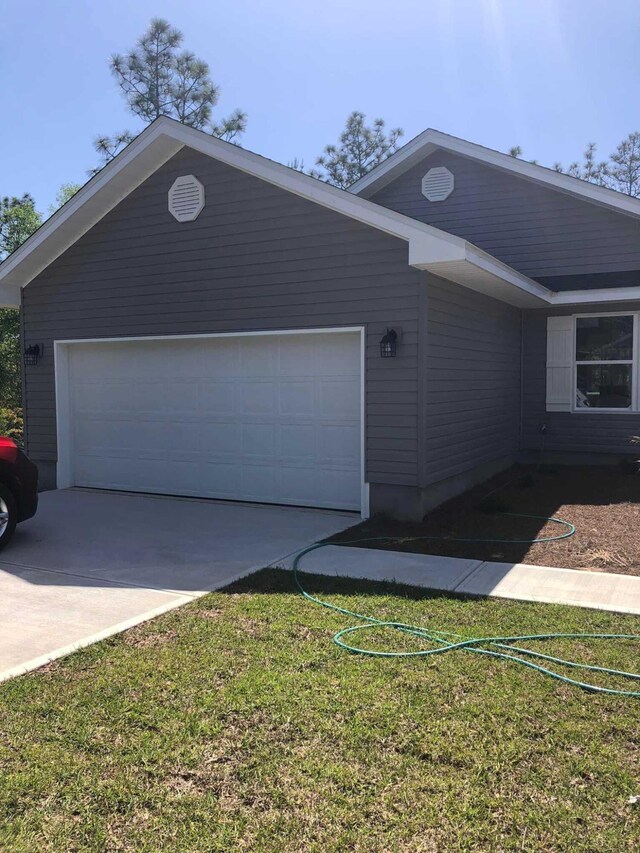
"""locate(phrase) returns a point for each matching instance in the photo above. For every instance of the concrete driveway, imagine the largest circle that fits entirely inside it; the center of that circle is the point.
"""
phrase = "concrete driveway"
(91, 564)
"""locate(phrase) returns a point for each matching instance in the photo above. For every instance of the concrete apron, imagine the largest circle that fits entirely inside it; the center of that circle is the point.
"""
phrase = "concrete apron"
(91, 564)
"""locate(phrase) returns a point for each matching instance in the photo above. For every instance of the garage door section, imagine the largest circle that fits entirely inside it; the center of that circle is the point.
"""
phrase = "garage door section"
(269, 418)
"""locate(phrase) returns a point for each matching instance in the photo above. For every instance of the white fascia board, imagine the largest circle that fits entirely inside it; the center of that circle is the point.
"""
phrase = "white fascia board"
(431, 140)
(492, 265)
(468, 265)
(600, 295)
(426, 249)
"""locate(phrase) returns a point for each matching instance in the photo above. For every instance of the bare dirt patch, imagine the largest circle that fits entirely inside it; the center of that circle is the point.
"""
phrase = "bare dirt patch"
(602, 502)
(207, 612)
(141, 638)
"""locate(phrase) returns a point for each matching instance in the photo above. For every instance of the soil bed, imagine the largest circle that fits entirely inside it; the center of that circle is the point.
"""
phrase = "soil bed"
(602, 502)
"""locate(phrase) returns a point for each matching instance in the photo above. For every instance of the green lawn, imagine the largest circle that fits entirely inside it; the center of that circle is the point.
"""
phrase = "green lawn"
(236, 724)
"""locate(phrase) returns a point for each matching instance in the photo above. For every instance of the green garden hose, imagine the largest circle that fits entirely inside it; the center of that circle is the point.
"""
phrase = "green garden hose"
(446, 641)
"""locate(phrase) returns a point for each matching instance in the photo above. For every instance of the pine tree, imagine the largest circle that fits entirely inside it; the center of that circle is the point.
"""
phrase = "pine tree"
(158, 78)
(589, 170)
(624, 169)
(360, 148)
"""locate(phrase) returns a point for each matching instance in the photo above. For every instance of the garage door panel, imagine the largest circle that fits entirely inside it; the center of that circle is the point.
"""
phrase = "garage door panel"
(183, 396)
(261, 482)
(180, 360)
(89, 397)
(339, 442)
(101, 363)
(339, 481)
(148, 437)
(298, 440)
(151, 396)
(224, 361)
(296, 357)
(340, 398)
(152, 472)
(107, 472)
(92, 434)
(220, 437)
(257, 398)
(298, 398)
(298, 483)
(265, 418)
(259, 356)
(259, 440)
(218, 397)
(117, 395)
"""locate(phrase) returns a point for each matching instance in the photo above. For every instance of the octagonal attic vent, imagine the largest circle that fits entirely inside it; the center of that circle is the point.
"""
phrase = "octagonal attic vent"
(186, 198)
(437, 184)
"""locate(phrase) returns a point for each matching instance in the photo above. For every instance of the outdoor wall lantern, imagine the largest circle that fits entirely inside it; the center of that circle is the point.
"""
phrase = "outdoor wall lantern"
(389, 344)
(32, 354)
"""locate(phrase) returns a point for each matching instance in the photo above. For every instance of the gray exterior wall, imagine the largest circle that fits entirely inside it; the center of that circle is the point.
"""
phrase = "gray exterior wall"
(257, 258)
(568, 434)
(472, 386)
(546, 234)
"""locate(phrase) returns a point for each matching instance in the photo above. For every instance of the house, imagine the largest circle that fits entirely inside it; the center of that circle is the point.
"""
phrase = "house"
(211, 323)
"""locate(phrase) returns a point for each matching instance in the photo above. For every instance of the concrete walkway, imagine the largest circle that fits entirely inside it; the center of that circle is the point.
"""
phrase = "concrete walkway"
(91, 564)
(599, 590)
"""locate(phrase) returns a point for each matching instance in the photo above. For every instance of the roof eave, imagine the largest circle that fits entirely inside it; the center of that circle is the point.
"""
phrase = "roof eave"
(470, 267)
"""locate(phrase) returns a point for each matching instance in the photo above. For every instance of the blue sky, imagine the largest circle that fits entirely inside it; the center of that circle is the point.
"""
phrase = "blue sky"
(549, 75)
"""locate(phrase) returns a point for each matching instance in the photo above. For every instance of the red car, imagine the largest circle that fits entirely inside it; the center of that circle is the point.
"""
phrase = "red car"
(18, 488)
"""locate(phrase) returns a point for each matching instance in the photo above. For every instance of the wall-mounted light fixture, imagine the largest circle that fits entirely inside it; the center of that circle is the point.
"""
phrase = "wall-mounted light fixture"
(31, 354)
(389, 344)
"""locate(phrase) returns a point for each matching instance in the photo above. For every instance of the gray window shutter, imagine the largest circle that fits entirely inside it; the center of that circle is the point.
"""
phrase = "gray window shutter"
(560, 364)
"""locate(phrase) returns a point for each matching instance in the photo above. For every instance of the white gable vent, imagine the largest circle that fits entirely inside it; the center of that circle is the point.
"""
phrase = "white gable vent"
(437, 184)
(186, 198)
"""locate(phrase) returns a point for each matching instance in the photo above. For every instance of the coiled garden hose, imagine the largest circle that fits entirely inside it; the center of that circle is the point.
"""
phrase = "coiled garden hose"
(446, 641)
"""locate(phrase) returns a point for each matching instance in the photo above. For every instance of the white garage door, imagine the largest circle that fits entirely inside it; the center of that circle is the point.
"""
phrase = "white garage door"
(273, 418)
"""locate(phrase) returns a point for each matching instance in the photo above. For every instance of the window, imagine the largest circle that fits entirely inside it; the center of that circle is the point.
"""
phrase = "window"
(606, 362)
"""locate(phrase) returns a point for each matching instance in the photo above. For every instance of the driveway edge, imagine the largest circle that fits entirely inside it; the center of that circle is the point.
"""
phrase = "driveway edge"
(63, 651)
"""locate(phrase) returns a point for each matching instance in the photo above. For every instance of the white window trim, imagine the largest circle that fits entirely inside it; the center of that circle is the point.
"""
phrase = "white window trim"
(634, 409)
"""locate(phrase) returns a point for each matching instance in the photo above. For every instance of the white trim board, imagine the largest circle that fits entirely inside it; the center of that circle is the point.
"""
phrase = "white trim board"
(432, 140)
(64, 436)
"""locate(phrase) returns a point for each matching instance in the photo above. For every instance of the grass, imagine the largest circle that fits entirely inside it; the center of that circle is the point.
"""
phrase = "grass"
(236, 724)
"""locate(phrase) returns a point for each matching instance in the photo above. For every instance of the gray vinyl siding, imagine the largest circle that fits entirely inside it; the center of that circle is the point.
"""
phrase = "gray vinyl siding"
(472, 388)
(257, 258)
(580, 432)
(533, 228)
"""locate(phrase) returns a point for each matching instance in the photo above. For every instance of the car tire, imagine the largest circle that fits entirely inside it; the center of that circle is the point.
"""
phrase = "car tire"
(8, 515)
